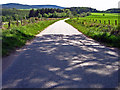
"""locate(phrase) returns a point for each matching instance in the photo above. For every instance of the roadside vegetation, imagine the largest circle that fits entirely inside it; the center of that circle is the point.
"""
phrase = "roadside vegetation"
(14, 14)
(16, 36)
(103, 27)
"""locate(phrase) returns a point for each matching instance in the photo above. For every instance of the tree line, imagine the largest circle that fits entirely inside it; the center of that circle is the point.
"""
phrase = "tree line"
(78, 10)
(49, 13)
(14, 14)
(17, 14)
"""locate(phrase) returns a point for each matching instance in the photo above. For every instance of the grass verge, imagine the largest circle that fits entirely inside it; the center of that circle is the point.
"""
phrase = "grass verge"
(97, 33)
(16, 37)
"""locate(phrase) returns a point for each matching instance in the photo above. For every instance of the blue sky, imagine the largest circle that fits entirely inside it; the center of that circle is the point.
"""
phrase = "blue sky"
(98, 4)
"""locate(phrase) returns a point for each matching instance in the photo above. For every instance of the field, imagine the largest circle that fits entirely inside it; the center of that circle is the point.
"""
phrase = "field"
(96, 17)
(103, 27)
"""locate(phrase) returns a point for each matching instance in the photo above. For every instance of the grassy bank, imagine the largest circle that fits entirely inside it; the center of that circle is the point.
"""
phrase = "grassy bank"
(106, 34)
(17, 36)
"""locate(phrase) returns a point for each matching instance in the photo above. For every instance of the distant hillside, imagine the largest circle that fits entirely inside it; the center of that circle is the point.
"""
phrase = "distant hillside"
(82, 9)
(113, 10)
(78, 10)
(21, 6)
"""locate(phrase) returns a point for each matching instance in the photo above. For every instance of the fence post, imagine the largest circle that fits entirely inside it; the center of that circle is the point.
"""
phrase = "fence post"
(82, 22)
(104, 22)
(21, 22)
(17, 23)
(1, 24)
(9, 24)
(115, 22)
(109, 22)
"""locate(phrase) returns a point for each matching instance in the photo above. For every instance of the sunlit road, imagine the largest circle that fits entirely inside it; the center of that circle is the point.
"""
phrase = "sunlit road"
(62, 57)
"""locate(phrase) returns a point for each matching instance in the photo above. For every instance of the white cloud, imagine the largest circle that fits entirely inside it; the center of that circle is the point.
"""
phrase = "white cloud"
(98, 4)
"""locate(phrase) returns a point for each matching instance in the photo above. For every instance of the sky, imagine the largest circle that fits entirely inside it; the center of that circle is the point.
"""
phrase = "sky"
(97, 4)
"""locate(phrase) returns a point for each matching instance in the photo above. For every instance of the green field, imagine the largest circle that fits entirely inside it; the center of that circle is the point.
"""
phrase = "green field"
(107, 33)
(104, 17)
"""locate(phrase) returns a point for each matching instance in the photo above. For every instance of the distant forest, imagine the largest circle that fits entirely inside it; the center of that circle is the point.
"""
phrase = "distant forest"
(78, 10)
(14, 14)
(17, 14)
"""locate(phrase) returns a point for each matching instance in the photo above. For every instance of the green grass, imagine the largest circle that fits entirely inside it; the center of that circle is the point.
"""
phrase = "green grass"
(103, 33)
(99, 16)
(15, 37)
(106, 14)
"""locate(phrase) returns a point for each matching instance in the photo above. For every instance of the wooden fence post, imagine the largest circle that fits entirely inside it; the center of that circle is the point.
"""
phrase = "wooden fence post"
(9, 24)
(109, 22)
(104, 22)
(115, 22)
(82, 22)
(21, 22)
(0, 24)
(17, 23)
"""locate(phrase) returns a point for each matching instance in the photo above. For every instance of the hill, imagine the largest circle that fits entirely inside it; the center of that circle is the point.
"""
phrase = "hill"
(22, 6)
(113, 10)
(78, 10)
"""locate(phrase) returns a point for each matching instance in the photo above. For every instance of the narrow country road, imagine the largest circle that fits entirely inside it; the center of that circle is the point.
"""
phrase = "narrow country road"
(62, 57)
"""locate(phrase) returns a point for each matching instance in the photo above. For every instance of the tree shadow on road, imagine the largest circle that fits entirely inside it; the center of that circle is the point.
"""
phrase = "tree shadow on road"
(69, 61)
